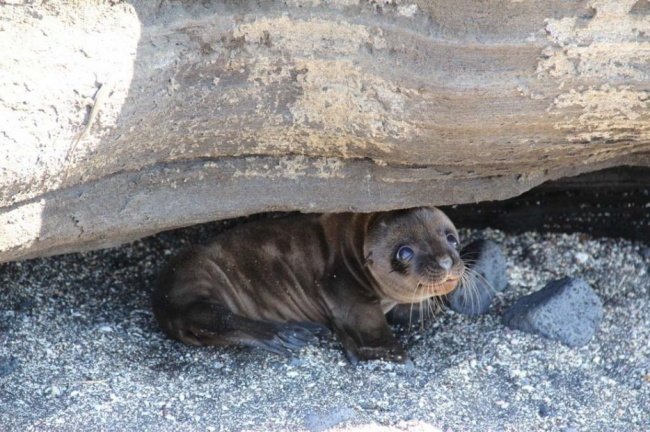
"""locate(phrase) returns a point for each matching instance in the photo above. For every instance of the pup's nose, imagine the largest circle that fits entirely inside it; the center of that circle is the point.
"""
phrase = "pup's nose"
(445, 261)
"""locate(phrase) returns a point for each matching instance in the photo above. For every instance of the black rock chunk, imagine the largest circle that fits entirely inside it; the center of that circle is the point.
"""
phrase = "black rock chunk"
(487, 276)
(567, 310)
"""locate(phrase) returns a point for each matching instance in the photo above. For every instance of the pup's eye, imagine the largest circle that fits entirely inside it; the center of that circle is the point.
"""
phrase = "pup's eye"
(452, 240)
(405, 254)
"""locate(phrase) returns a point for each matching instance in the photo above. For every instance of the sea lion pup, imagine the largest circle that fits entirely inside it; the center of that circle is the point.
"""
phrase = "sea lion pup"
(274, 283)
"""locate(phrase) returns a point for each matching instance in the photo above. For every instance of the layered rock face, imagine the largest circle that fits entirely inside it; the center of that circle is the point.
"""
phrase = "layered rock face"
(120, 120)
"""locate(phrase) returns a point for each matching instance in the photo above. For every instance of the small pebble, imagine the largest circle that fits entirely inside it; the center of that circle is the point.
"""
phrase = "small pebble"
(7, 365)
(320, 421)
(581, 257)
(645, 252)
(544, 410)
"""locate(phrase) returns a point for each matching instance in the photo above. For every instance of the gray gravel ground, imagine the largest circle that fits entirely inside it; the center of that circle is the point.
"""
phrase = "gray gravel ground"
(79, 350)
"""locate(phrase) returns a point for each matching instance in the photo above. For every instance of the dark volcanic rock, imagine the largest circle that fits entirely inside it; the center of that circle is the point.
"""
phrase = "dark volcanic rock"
(566, 310)
(488, 276)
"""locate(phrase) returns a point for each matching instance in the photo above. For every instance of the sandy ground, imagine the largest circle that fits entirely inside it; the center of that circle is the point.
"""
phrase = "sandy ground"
(79, 350)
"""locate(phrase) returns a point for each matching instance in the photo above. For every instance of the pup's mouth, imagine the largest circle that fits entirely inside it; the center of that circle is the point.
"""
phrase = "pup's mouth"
(442, 288)
(426, 290)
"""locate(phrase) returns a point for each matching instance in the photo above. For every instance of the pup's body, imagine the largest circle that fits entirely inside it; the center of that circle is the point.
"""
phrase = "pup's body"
(275, 283)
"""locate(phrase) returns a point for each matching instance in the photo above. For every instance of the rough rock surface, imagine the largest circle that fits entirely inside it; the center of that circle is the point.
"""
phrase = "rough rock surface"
(567, 310)
(487, 276)
(121, 119)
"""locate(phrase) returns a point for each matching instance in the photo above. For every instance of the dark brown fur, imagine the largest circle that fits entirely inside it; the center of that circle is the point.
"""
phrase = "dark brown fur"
(275, 283)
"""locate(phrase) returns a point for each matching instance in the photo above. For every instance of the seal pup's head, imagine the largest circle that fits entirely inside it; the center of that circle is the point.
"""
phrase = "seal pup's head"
(413, 254)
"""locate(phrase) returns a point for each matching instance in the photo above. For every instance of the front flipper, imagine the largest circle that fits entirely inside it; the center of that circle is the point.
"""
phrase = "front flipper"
(368, 341)
(360, 323)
